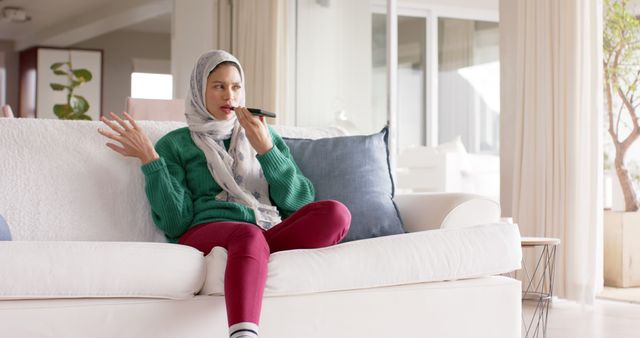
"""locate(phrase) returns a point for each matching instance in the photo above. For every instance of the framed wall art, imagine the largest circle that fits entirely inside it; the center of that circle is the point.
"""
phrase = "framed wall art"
(59, 83)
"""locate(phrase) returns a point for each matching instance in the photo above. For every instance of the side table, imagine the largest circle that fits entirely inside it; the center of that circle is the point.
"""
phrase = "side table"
(537, 284)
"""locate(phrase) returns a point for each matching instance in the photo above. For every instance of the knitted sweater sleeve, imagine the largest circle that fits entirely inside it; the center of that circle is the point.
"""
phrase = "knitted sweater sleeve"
(167, 192)
(289, 189)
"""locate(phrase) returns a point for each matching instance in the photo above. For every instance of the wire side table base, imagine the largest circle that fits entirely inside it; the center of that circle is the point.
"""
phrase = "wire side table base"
(537, 285)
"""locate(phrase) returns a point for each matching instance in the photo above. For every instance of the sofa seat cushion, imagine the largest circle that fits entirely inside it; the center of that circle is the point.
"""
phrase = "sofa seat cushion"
(426, 256)
(37, 270)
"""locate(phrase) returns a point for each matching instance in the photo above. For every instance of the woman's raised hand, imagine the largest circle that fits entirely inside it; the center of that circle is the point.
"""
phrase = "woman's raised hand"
(255, 129)
(133, 141)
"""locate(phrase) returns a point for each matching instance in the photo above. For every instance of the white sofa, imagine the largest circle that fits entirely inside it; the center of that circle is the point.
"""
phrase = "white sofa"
(87, 261)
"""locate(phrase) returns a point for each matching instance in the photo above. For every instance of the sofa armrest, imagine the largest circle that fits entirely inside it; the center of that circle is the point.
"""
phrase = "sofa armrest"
(428, 211)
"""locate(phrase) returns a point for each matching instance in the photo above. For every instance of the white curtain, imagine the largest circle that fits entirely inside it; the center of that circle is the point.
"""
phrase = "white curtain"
(557, 156)
(258, 40)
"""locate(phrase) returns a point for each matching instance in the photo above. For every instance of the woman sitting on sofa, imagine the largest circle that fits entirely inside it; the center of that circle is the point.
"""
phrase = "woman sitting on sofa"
(229, 180)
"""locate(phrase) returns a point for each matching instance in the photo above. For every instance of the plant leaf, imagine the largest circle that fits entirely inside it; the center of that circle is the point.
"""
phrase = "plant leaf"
(57, 86)
(83, 75)
(83, 117)
(62, 111)
(60, 72)
(79, 104)
(78, 116)
(57, 65)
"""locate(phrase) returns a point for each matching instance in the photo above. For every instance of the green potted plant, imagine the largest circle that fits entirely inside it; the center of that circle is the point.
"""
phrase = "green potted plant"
(621, 64)
(76, 106)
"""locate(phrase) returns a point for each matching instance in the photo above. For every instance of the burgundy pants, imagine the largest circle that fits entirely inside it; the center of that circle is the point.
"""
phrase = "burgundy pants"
(315, 225)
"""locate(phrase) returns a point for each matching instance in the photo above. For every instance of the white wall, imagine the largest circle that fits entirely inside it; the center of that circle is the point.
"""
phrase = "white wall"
(120, 48)
(194, 31)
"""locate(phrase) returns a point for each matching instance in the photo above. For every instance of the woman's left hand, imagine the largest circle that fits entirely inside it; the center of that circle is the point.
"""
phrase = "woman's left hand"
(255, 129)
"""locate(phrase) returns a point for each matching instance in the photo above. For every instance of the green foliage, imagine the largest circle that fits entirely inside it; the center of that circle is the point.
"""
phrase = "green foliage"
(621, 61)
(82, 75)
(62, 111)
(57, 86)
(621, 40)
(77, 106)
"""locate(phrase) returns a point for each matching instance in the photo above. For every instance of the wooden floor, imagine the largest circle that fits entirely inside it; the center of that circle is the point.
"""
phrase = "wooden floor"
(605, 319)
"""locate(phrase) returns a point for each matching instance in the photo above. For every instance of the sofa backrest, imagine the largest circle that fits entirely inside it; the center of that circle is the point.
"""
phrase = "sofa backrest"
(58, 181)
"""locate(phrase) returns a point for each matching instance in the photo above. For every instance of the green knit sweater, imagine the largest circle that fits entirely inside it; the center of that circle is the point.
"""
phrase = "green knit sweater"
(181, 190)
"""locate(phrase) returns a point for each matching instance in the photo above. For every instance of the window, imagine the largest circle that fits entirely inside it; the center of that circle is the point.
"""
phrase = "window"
(448, 93)
(336, 82)
(469, 84)
(3, 87)
(411, 74)
(151, 86)
(3, 83)
(447, 77)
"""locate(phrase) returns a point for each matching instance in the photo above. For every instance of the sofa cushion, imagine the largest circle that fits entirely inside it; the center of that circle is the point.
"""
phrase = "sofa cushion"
(66, 185)
(355, 171)
(36, 270)
(426, 256)
(5, 234)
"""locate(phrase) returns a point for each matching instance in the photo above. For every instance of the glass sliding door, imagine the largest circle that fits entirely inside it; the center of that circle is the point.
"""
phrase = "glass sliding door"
(336, 81)
(411, 75)
(379, 65)
(448, 73)
(469, 84)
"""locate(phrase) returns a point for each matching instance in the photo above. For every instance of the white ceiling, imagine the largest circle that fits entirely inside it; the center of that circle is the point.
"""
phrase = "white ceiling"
(43, 13)
(159, 24)
(64, 22)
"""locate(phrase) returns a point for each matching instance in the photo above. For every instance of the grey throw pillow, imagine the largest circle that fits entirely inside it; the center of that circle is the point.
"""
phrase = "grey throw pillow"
(355, 171)
(5, 235)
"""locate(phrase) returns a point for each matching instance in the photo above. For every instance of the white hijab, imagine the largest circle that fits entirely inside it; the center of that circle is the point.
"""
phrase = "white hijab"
(237, 171)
